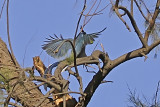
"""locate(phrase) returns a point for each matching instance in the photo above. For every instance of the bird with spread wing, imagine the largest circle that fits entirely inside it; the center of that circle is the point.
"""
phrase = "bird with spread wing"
(61, 49)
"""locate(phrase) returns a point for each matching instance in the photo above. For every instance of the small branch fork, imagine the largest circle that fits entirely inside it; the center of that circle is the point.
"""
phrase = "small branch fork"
(144, 40)
(88, 14)
(95, 12)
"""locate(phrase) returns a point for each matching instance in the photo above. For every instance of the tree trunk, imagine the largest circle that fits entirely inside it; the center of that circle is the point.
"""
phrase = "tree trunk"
(15, 84)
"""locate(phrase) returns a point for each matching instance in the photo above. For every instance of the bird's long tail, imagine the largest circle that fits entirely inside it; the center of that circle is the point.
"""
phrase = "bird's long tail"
(48, 71)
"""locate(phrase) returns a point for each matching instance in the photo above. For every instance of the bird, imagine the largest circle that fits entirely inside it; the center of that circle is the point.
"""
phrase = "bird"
(58, 48)
(61, 49)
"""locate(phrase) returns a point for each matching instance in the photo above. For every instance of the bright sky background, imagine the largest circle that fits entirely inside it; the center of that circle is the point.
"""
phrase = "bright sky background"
(31, 21)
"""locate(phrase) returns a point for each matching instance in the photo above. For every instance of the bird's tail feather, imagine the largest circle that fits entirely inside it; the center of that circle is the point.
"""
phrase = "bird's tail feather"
(48, 71)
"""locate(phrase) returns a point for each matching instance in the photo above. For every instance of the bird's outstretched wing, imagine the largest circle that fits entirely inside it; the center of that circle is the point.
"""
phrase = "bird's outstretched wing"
(84, 39)
(89, 38)
(57, 48)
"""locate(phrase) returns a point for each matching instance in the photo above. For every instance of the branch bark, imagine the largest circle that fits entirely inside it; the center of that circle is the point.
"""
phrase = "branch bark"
(28, 99)
(108, 65)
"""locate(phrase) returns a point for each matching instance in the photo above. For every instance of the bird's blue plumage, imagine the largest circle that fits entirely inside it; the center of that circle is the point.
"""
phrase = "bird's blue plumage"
(52, 46)
(48, 71)
(59, 49)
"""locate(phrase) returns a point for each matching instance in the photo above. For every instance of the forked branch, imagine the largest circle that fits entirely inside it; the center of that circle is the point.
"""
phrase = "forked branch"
(133, 22)
(152, 21)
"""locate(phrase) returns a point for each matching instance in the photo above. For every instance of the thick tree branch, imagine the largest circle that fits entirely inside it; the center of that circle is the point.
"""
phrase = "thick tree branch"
(97, 78)
(109, 65)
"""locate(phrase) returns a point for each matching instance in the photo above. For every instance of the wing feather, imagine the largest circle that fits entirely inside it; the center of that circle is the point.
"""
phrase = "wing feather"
(57, 48)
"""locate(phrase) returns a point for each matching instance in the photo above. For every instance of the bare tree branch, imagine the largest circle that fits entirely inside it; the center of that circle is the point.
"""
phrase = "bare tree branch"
(115, 8)
(120, 16)
(109, 65)
(14, 104)
(156, 95)
(116, 4)
(134, 26)
(141, 11)
(132, 8)
(152, 22)
(2, 8)
(47, 95)
(12, 54)
(84, 7)
(37, 78)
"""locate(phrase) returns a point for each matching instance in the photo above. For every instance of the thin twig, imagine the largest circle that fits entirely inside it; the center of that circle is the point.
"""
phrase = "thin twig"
(6, 102)
(14, 104)
(115, 7)
(30, 89)
(84, 23)
(146, 8)
(84, 7)
(141, 11)
(2, 8)
(70, 92)
(105, 81)
(132, 7)
(25, 51)
(102, 48)
(95, 46)
(50, 83)
(103, 8)
(3, 76)
(156, 95)
(9, 41)
(120, 16)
